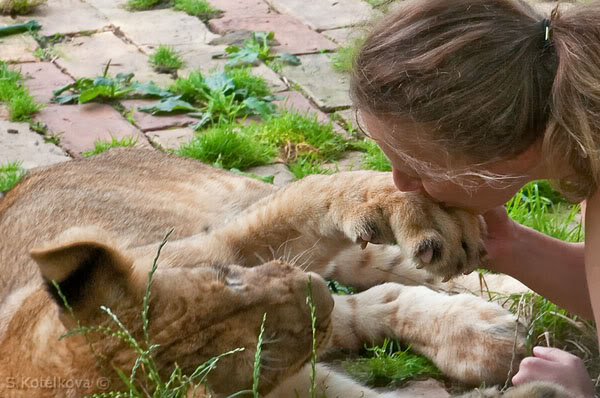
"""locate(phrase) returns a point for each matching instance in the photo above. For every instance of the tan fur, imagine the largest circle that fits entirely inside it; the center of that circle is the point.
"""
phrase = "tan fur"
(240, 249)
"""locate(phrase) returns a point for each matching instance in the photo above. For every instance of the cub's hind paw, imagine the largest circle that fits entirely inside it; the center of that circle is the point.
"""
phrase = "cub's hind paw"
(536, 389)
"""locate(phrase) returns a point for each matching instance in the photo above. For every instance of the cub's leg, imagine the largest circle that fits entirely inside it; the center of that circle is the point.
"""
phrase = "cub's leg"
(328, 383)
(314, 219)
(467, 337)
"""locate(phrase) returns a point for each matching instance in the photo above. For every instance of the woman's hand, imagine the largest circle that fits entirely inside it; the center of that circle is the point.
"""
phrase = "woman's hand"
(501, 235)
(558, 366)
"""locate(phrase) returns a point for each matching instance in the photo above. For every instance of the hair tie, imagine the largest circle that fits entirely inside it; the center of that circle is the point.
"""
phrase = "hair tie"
(546, 30)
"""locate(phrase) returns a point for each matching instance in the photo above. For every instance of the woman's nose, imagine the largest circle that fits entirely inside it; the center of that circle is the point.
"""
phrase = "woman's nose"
(406, 183)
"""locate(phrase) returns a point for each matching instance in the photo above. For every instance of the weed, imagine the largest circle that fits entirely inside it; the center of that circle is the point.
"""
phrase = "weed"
(198, 8)
(374, 158)
(343, 59)
(530, 208)
(388, 364)
(267, 179)
(19, 7)
(106, 88)
(140, 5)
(297, 135)
(313, 323)
(221, 97)
(10, 175)
(102, 146)
(307, 165)
(256, 49)
(227, 147)
(20, 104)
(165, 59)
(178, 384)
(256, 371)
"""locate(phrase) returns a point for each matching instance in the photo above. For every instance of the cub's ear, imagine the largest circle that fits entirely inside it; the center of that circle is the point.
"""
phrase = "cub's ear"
(90, 270)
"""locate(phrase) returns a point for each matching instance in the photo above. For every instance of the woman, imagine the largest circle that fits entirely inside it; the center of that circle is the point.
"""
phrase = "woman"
(470, 100)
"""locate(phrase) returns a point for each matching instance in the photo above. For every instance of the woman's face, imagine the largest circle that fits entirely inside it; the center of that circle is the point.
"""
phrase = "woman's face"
(472, 193)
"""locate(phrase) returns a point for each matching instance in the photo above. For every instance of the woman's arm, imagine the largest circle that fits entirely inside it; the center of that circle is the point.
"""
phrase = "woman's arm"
(592, 253)
(551, 267)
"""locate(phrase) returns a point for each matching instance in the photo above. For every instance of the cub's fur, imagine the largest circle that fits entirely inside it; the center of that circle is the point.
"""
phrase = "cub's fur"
(241, 248)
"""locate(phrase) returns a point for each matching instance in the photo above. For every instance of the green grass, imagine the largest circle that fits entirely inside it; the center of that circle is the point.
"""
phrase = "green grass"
(140, 5)
(374, 158)
(537, 206)
(19, 7)
(306, 165)
(343, 59)
(145, 373)
(165, 59)
(198, 8)
(10, 174)
(12, 92)
(227, 147)
(296, 135)
(388, 364)
(102, 146)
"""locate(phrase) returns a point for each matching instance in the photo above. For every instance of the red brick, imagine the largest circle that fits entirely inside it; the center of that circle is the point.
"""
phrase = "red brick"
(292, 35)
(42, 78)
(79, 126)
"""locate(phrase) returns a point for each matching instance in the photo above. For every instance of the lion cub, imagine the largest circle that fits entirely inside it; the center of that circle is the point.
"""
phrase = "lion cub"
(240, 249)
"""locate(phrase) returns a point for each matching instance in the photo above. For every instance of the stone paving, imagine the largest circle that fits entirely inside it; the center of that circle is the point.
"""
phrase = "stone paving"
(92, 32)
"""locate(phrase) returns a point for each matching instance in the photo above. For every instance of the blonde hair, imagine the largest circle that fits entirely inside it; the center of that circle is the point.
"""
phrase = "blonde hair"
(488, 79)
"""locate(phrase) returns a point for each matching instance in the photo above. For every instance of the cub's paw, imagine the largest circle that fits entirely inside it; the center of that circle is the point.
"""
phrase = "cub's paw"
(449, 243)
(445, 242)
(475, 340)
(538, 389)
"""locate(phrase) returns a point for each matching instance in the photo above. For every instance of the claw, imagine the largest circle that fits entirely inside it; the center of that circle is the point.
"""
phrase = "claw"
(420, 266)
(446, 278)
(363, 244)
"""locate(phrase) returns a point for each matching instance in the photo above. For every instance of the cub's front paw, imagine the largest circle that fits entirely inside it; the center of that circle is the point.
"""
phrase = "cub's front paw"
(449, 243)
(446, 242)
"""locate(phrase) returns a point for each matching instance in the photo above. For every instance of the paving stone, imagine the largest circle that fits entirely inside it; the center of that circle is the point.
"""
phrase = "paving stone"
(292, 35)
(342, 36)
(87, 56)
(111, 9)
(282, 174)
(241, 7)
(273, 80)
(348, 117)
(171, 138)
(311, 75)
(65, 17)
(4, 114)
(147, 122)
(79, 126)
(19, 144)
(348, 162)
(149, 29)
(325, 14)
(42, 78)
(298, 102)
(18, 48)
(201, 58)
